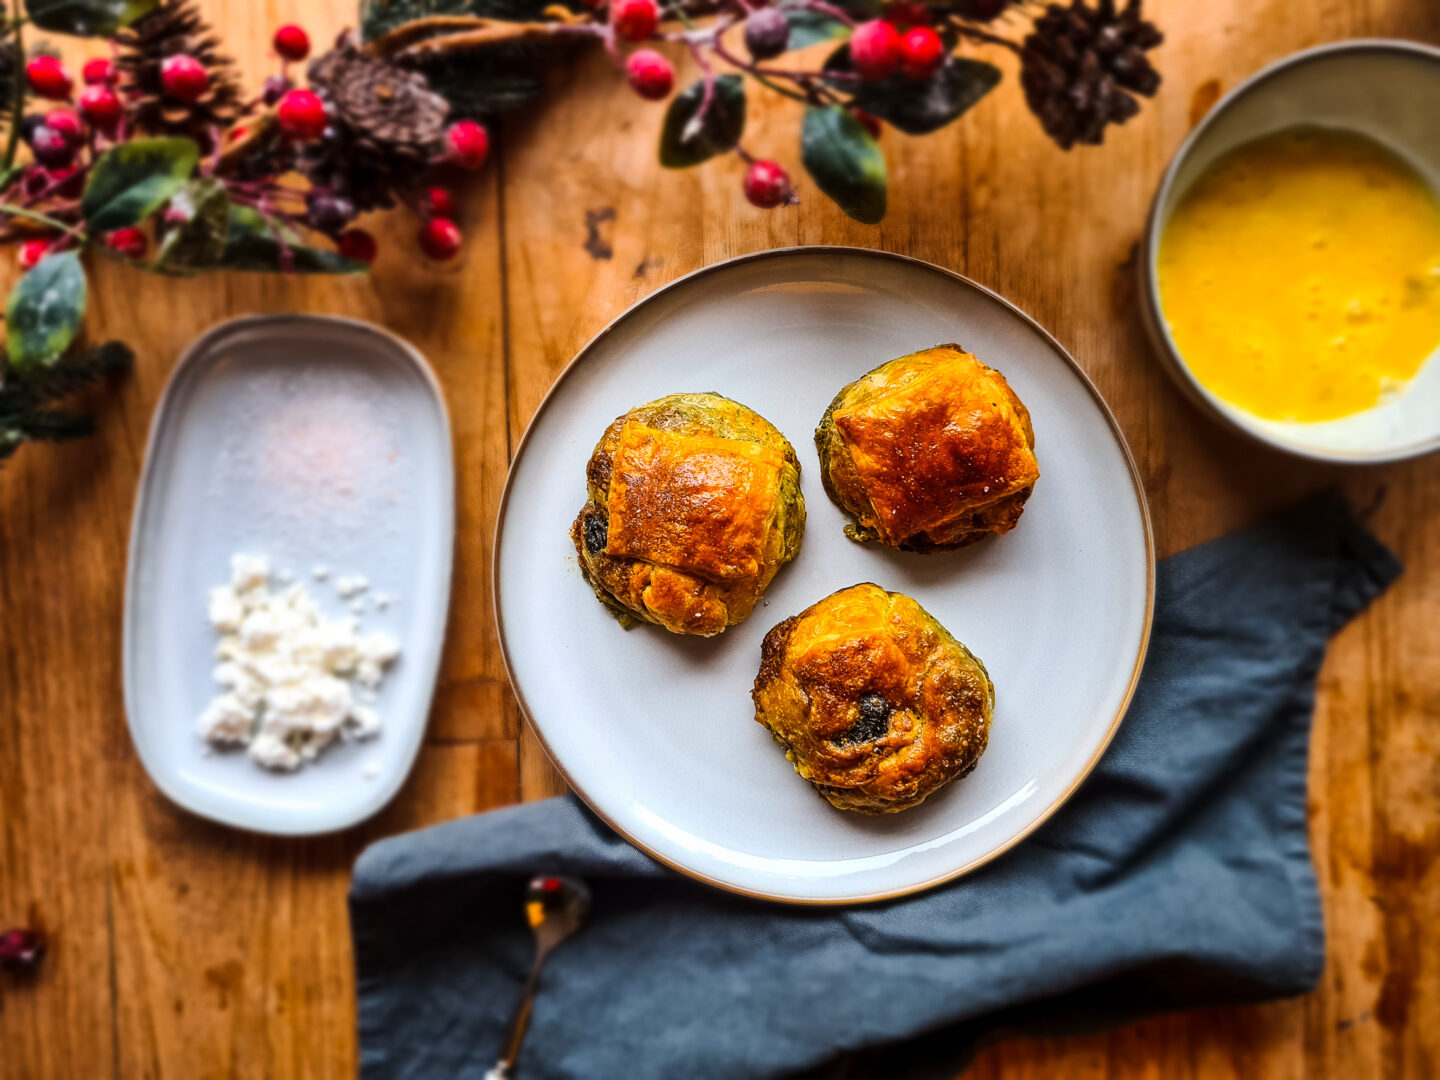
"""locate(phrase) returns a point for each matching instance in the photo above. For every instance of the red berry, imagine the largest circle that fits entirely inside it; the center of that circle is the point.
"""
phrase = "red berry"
(875, 49)
(439, 203)
(767, 185)
(184, 77)
(21, 950)
(67, 123)
(467, 144)
(635, 20)
(292, 43)
(48, 78)
(302, 115)
(50, 148)
(440, 238)
(132, 243)
(101, 106)
(650, 74)
(358, 244)
(907, 13)
(868, 122)
(99, 70)
(767, 33)
(31, 252)
(238, 132)
(67, 182)
(922, 52)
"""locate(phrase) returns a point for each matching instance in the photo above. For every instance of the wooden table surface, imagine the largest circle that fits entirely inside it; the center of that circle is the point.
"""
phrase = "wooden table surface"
(186, 949)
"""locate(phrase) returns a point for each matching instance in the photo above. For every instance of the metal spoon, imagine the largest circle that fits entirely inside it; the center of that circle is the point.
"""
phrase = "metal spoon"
(556, 908)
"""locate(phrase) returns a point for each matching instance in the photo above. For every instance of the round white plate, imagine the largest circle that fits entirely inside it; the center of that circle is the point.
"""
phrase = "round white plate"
(657, 732)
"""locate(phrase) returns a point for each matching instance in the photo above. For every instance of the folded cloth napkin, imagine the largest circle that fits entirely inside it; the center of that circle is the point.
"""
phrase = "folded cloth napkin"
(1178, 875)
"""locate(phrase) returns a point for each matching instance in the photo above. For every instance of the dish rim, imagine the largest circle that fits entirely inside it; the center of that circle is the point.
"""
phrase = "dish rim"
(808, 251)
(201, 346)
(1158, 330)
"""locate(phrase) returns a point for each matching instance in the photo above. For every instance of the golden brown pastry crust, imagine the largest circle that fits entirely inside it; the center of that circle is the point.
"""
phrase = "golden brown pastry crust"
(927, 452)
(694, 505)
(875, 702)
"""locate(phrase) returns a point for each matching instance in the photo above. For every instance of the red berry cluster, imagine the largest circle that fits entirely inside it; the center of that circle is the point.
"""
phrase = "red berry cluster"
(58, 137)
(900, 42)
(304, 118)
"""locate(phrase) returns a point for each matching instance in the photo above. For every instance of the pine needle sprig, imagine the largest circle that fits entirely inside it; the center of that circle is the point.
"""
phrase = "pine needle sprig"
(27, 412)
(75, 373)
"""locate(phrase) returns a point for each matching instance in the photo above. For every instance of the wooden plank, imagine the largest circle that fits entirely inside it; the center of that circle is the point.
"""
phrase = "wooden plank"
(188, 950)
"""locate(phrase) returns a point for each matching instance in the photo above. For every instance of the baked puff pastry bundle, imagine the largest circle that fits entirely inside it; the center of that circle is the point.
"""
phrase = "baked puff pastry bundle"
(694, 505)
(928, 452)
(875, 703)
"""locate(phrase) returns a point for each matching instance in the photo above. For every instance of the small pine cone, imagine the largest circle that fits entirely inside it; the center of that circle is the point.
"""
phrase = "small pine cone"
(1082, 66)
(388, 124)
(174, 28)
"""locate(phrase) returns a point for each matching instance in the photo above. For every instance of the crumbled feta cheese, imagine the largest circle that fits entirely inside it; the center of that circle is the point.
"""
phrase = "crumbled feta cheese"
(351, 586)
(226, 610)
(289, 672)
(249, 571)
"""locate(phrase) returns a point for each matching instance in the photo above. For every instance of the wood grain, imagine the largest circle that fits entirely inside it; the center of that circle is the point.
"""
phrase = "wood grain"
(186, 950)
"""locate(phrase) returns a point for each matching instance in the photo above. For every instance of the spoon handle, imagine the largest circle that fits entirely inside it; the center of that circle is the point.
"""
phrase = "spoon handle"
(519, 1023)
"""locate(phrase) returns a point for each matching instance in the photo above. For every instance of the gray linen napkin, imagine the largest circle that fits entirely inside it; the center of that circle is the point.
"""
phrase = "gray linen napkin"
(1178, 876)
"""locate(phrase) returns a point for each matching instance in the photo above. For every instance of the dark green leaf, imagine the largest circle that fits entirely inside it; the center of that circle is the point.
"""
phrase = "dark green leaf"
(920, 108)
(252, 244)
(198, 240)
(44, 312)
(86, 18)
(683, 142)
(132, 180)
(812, 27)
(844, 161)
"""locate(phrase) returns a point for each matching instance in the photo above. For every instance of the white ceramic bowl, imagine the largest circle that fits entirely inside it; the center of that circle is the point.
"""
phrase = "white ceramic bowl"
(1387, 90)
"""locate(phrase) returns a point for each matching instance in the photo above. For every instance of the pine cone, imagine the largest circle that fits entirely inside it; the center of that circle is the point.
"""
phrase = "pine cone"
(1080, 67)
(174, 28)
(386, 126)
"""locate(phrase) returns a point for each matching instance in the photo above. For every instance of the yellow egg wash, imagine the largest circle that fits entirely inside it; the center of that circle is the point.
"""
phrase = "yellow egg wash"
(1300, 275)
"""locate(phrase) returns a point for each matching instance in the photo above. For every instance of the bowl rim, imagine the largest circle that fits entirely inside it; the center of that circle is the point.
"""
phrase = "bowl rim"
(1155, 324)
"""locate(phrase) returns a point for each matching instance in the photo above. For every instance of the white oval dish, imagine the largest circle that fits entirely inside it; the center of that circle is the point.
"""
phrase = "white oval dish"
(1387, 90)
(657, 732)
(316, 441)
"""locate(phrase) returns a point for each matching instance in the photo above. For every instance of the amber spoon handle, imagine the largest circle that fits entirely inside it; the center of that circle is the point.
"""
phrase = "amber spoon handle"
(556, 908)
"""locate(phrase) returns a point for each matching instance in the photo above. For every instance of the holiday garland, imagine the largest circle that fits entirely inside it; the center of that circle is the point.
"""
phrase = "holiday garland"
(163, 160)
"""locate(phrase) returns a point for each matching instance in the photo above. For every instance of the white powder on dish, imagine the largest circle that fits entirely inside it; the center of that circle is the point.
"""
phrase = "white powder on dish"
(290, 673)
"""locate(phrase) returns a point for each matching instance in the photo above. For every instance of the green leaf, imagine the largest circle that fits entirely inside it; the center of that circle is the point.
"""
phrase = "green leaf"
(43, 314)
(685, 142)
(86, 18)
(132, 180)
(812, 27)
(844, 161)
(198, 240)
(251, 244)
(920, 108)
